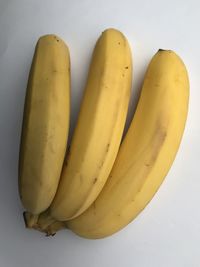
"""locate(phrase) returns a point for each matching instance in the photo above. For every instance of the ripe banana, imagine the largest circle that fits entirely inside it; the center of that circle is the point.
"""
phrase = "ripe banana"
(146, 153)
(45, 126)
(99, 128)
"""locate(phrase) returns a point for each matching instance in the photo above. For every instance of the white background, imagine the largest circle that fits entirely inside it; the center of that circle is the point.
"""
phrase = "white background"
(167, 232)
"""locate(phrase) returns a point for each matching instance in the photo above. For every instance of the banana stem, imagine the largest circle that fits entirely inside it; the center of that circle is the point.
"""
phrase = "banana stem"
(54, 228)
(43, 223)
(45, 219)
(30, 219)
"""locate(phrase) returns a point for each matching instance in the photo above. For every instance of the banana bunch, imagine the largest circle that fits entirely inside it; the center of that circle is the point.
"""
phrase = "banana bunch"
(105, 182)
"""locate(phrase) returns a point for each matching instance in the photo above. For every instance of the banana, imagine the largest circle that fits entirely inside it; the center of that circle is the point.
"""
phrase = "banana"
(45, 126)
(99, 127)
(146, 153)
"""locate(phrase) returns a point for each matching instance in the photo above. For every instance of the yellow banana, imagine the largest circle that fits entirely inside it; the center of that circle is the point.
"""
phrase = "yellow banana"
(146, 153)
(99, 128)
(45, 126)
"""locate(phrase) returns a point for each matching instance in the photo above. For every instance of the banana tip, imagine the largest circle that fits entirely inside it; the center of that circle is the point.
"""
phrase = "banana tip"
(165, 50)
(25, 221)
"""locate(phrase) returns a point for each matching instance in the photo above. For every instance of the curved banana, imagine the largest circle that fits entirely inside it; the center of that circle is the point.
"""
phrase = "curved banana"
(45, 126)
(99, 128)
(146, 153)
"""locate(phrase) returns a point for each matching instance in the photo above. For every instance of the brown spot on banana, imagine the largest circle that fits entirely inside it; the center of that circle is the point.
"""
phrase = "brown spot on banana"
(95, 180)
(107, 147)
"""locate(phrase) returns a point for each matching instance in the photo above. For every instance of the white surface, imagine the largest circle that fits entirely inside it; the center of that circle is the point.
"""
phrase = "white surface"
(167, 233)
